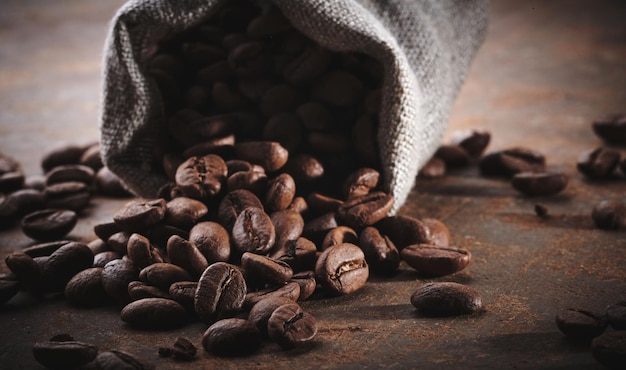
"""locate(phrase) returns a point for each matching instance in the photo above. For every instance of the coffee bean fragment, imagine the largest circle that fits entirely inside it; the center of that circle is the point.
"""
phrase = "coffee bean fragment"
(541, 210)
(49, 224)
(446, 299)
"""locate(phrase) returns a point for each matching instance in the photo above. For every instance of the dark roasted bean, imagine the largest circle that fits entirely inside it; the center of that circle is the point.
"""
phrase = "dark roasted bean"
(453, 155)
(184, 254)
(270, 155)
(580, 324)
(438, 233)
(434, 260)
(511, 161)
(201, 177)
(598, 163)
(339, 235)
(141, 252)
(381, 254)
(154, 313)
(609, 215)
(163, 274)
(473, 141)
(264, 269)
(66, 354)
(610, 349)
(221, 292)
(212, 240)
(140, 214)
(115, 360)
(253, 231)
(404, 230)
(233, 204)
(342, 269)
(70, 172)
(366, 210)
(446, 299)
(360, 182)
(67, 195)
(433, 169)
(139, 290)
(611, 129)
(616, 315)
(262, 310)
(85, 288)
(231, 337)
(116, 275)
(280, 193)
(290, 326)
(540, 183)
(290, 291)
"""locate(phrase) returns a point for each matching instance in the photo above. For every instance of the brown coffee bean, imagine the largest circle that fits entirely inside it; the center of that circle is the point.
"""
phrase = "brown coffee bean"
(17, 204)
(91, 157)
(69, 154)
(540, 183)
(116, 359)
(288, 225)
(186, 255)
(322, 203)
(85, 288)
(231, 337)
(154, 313)
(27, 271)
(109, 184)
(304, 168)
(381, 254)
(105, 230)
(163, 274)
(446, 299)
(511, 161)
(11, 181)
(340, 235)
(102, 258)
(616, 315)
(360, 182)
(366, 210)
(119, 242)
(66, 354)
(221, 292)
(306, 281)
(159, 234)
(290, 291)
(64, 263)
(70, 173)
(299, 205)
(580, 324)
(262, 310)
(116, 275)
(201, 177)
(139, 290)
(609, 349)
(212, 240)
(269, 154)
(140, 214)
(253, 231)
(290, 326)
(598, 163)
(44, 249)
(49, 224)
(233, 204)
(67, 195)
(338, 88)
(183, 349)
(264, 269)
(184, 212)
(141, 252)
(342, 269)
(438, 233)
(434, 260)
(280, 193)
(404, 230)
(453, 155)
(254, 181)
(249, 59)
(611, 129)
(473, 141)
(433, 169)
(184, 292)
(9, 286)
(300, 254)
(317, 228)
(609, 215)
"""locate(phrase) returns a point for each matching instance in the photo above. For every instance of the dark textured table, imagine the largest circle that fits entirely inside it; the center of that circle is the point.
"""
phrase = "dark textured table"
(545, 71)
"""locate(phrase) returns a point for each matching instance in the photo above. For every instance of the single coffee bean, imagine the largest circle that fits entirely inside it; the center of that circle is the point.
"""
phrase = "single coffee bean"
(212, 240)
(269, 154)
(184, 292)
(434, 168)
(154, 313)
(366, 210)
(317, 228)
(141, 252)
(85, 288)
(11, 181)
(446, 299)
(438, 233)
(306, 281)
(105, 230)
(19, 203)
(280, 193)
(540, 183)
(300, 254)
(340, 235)
(69, 154)
(288, 225)
(221, 146)
(102, 258)
(508, 162)
(163, 274)
(221, 292)
(616, 315)
(109, 184)
(611, 129)
(70, 172)
(262, 310)
(231, 337)
(473, 141)
(67, 195)
(116, 275)
(253, 231)
(184, 254)
(321, 204)
(404, 230)
(609, 349)
(290, 326)
(598, 163)
(49, 224)
(609, 215)
(304, 168)
(44, 249)
(9, 286)
(254, 181)
(380, 253)
(116, 359)
(140, 214)
(65, 262)
(119, 242)
(201, 177)
(342, 269)
(360, 182)
(264, 269)
(233, 204)
(299, 205)
(68, 354)
(27, 270)
(290, 291)
(434, 260)
(139, 290)
(579, 324)
(453, 155)
(91, 157)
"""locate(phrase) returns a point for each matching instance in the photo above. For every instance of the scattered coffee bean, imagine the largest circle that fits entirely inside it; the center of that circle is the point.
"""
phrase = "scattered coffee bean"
(598, 163)
(609, 349)
(184, 254)
(116, 359)
(70, 195)
(85, 288)
(70, 173)
(616, 315)
(609, 215)
(49, 224)
(66, 354)
(184, 212)
(183, 349)
(290, 326)
(366, 210)
(231, 337)
(290, 291)
(154, 313)
(508, 162)
(446, 299)
(453, 155)
(438, 232)
(264, 269)
(163, 274)
(253, 231)
(380, 253)
(611, 129)
(404, 230)
(221, 292)
(116, 275)
(540, 183)
(342, 269)
(473, 141)
(140, 214)
(262, 310)
(212, 240)
(434, 260)
(434, 168)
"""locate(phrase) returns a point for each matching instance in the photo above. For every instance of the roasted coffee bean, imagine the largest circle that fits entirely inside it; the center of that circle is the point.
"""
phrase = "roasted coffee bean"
(268, 154)
(253, 231)
(404, 230)
(212, 240)
(290, 326)
(233, 204)
(237, 165)
(35, 182)
(262, 310)
(85, 288)
(139, 290)
(141, 252)
(231, 337)
(119, 242)
(446, 299)
(159, 234)
(320, 203)
(540, 183)
(366, 210)
(360, 182)
(541, 210)
(9, 286)
(381, 254)
(184, 292)
(154, 313)
(340, 235)
(49, 224)
(473, 141)
(609, 215)
(304, 168)
(44, 249)
(221, 292)
(65, 262)
(67, 354)
(201, 177)
(290, 291)
(508, 162)
(186, 255)
(288, 225)
(299, 205)
(611, 129)
(300, 254)
(434, 168)
(249, 60)
(438, 233)
(11, 181)
(102, 258)
(598, 163)
(279, 99)
(70, 173)
(110, 184)
(284, 128)
(27, 270)
(98, 246)
(69, 154)
(434, 260)
(306, 281)
(163, 274)
(91, 157)
(254, 181)
(580, 324)
(280, 193)
(183, 349)
(264, 269)
(19, 203)
(105, 230)
(140, 214)
(616, 315)
(67, 195)
(342, 269)
(116, 275)
(317, 228)
(609, 349)
(116, 360)
(338, 88)
(453, 155)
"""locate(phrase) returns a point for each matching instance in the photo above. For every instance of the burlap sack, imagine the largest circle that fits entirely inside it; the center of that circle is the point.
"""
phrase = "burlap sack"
(425, 46)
